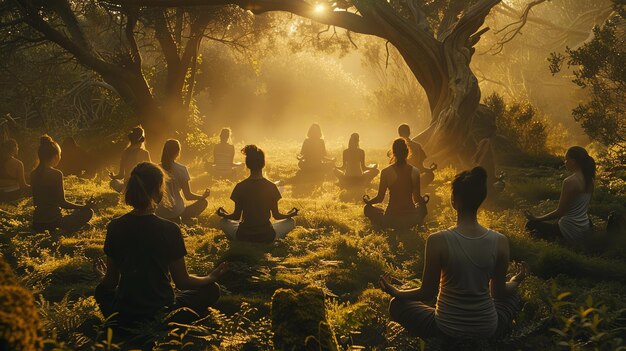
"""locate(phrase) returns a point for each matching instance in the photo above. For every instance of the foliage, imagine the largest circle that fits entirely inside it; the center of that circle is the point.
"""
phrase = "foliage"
(600, 69)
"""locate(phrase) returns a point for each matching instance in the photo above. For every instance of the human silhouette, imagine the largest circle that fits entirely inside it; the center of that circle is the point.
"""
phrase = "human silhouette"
(465, 270)
(572, 215)
(142, 252)
(313, 156)
(13, 185)
(223, 165)
(178, 181)
(49, 193)
(417, 156)
(256, 198)
(353, 171)
(131, 156)
(406, 208)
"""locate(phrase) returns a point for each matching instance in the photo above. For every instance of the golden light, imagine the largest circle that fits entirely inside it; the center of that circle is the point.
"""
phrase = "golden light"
(319, 8)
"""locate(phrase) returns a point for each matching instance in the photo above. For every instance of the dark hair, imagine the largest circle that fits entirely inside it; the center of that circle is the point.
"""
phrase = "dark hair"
(354, 141)
(470, 187)
(404, 130)
(255, 157)
(6, 148)
(400, 151)
(136, 135)
(48, 149)
(145, 186)
(171, 150)
(315, 131)
(225, 134)
(587, 164)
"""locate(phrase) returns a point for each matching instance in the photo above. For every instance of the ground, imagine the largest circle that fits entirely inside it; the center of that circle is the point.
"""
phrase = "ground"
(574, 296)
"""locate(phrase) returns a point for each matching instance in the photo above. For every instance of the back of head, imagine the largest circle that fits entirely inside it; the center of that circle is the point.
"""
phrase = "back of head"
(48, 149)
(136, 136)
(171, 150)
(225, 135)
(315, 131)
(469, 189)
(144, 188)
(586, 163)
(404, 130)
(255, 157)
(354, 141)
(7, 149)
(400, 151)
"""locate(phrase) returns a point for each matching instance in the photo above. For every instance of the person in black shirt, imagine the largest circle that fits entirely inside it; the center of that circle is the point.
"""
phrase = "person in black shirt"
(255, 199)
(142, 251)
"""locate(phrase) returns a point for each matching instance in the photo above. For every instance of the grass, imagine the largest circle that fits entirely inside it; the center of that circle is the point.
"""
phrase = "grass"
(333, 248)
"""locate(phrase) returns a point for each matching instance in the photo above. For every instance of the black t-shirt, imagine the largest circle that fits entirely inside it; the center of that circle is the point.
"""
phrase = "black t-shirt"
(256, 198)
(142, 248)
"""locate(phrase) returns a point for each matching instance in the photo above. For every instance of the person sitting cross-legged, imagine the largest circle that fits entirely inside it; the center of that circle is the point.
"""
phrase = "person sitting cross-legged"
(255, 199)
(13, 185)
(143, 251)
(353, 171)
(465, 270)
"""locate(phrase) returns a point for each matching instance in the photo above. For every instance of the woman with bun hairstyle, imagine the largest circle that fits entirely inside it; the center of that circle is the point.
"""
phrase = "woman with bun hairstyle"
(13, 185)
(465, 270)
(143, 251)
(132, 155)
(255, 199)
(573, 223)
(406, 208)
(49, 194)
(353, 171)
(178, 180)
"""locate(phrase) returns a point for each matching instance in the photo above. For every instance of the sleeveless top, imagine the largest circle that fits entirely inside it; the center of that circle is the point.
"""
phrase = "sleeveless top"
(401, 192)
(352, 162)
(223, 155)
(9, 182)
(574, 225)
(132, 157)
(465, 307)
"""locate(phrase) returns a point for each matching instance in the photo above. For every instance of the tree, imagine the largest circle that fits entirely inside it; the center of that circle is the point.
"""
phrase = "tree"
(601, 69)
(118, 43)
(436, 40)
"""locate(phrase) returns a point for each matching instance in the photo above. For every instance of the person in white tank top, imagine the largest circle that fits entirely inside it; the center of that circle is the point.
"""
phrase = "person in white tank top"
(573, 223)
(465, 271)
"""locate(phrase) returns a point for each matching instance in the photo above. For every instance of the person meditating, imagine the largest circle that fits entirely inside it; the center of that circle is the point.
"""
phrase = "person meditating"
(572, 212)
(313, 155)
(49, 194)
(178, 180)
(132, 155)
(353, 171)
(223, 165)
(255, 198)
(142, 252)
(13, 185)
(465, 270)
(406, 207)
(417, 156)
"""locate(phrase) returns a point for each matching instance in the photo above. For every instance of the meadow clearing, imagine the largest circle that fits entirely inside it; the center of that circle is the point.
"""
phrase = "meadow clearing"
(574, 299)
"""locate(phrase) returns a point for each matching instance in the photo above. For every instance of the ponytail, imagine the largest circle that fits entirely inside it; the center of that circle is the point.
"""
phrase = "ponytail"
(171, 150)
(144, 188)
(586, 163)
(48, 149)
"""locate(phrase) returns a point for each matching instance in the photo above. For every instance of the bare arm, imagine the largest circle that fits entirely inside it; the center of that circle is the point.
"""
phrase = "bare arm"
(184, 280)
(343, 161)
(382, 190)
(121, 174)
(112, 275)
(21, 178)
(417, 196)
(189, 195)
(430, 278)
(235, 216)
(62, 200)
(567, 196)
(278, 215)
(499, 286)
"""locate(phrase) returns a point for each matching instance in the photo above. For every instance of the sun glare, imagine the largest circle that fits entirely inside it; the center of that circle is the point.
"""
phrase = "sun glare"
(319, 8)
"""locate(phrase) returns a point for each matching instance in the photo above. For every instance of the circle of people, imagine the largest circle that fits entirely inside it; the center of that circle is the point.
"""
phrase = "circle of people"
(465, 266)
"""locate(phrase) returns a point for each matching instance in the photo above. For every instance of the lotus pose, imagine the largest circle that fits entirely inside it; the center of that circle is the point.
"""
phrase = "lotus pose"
(255, 199)
(465, 270)
(353, 171)
(13, 185)
(49, 193)
(406, 208)
(313, 155)
(223, 165)
(132, 155)
(572, 212)
(178, 180)
(143, 251)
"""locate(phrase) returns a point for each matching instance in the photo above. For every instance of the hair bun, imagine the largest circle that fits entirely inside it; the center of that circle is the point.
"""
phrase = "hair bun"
(45, 139)
(249, 149)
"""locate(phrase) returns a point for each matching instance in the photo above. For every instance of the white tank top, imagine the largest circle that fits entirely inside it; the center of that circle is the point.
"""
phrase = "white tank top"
(574, 225)
(464, 305)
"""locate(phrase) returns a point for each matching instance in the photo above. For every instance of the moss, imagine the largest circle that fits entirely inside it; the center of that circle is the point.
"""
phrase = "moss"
(20, 328)
(299, 320)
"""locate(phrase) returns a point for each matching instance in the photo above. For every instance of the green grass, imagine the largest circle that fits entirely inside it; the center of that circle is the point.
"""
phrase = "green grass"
(333, 248)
